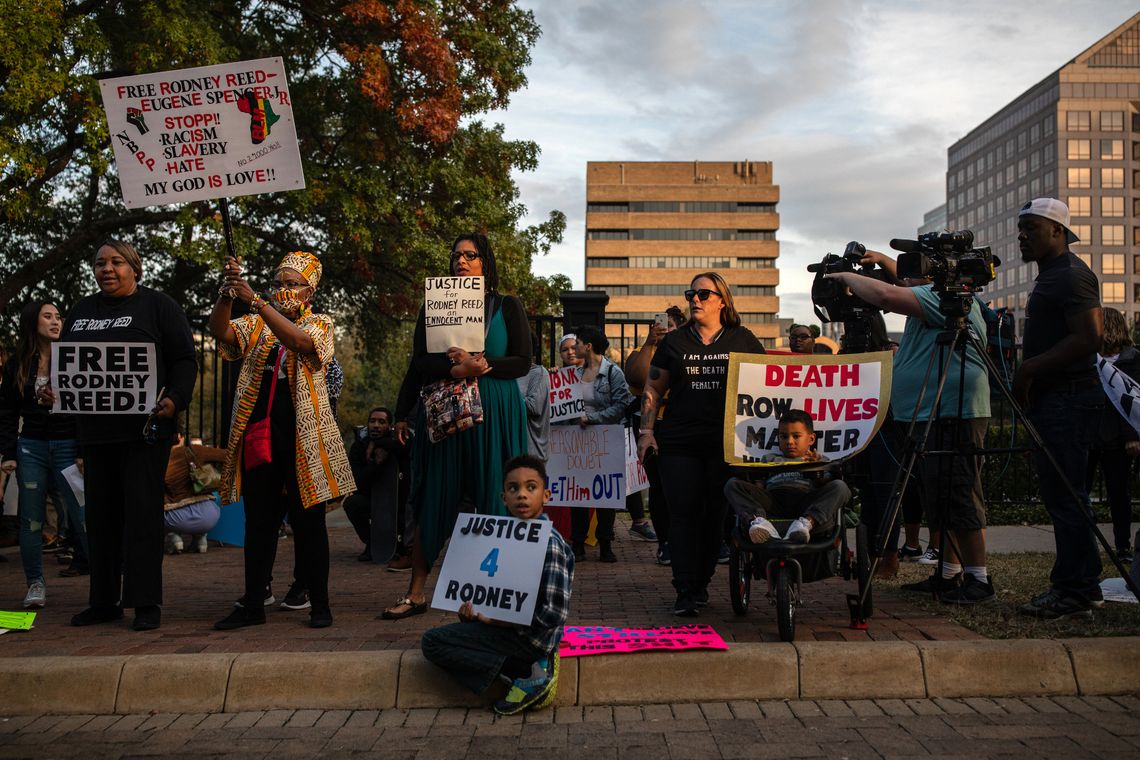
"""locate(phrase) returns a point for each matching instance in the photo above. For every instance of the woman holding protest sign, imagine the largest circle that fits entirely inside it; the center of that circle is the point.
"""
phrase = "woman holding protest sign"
(285, 456)
(126, 326)
(42, 449)
(691, 365)
(465, 467)
(606, 395)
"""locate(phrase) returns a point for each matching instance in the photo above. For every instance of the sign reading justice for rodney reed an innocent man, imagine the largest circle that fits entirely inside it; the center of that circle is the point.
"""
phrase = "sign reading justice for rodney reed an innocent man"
(208, 132)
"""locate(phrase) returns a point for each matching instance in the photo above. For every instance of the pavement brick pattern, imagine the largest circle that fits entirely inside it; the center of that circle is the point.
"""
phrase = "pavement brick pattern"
(1091, 727)
(636, 592)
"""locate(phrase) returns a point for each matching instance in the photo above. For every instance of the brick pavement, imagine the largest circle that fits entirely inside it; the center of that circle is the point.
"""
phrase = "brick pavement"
(976, 728)
(199, 589)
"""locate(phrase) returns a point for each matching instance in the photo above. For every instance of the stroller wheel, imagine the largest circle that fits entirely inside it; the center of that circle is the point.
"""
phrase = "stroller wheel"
(739, 578)
(786, 598)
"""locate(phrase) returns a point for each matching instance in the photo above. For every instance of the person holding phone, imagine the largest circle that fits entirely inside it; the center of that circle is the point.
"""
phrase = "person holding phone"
(125, 453)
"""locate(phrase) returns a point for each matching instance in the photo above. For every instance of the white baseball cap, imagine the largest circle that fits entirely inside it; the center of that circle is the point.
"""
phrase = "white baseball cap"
(1053, 210)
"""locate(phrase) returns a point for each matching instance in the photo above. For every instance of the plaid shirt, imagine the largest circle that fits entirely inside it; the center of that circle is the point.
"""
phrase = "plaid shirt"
(553, 604)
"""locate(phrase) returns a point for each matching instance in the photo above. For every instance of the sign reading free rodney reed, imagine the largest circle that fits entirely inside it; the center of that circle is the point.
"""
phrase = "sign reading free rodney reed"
(846, 395)
(209, 132)
(103, 378)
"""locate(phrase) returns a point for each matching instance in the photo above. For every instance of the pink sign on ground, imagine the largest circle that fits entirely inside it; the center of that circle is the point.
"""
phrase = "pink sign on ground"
(582, 640)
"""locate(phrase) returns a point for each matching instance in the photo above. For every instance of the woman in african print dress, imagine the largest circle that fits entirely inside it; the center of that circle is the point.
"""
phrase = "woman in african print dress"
(465, 468)
(299, 463)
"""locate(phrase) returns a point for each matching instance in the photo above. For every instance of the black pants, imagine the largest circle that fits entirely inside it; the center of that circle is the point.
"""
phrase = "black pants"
(580, 524)
(124, 484)
(694, 488)
(270, 493)
(658, 509)
(1116, 467)
(358, 510)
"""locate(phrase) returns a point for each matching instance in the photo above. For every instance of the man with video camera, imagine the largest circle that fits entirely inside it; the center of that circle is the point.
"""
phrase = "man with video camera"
(950, 484)
(1058, 385)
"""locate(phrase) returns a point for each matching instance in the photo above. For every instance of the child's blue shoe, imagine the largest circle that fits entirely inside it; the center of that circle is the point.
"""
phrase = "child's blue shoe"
(534, 692)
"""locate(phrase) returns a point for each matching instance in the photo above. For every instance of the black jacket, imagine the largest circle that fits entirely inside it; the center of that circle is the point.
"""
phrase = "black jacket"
(39, 422)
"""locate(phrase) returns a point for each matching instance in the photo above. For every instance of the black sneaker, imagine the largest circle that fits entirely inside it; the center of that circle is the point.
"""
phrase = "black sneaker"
(1057, 605)
(908, 554)
(97, 615)
(320, 618)
(685, 606)
(701, 598)
(296, 599)
(935, 584)
(147, 618)
(663, 556)
(723, 555)
(972, 591)
(240, 618)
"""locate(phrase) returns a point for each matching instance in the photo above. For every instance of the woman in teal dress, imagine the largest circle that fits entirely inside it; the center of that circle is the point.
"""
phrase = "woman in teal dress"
(463, 472)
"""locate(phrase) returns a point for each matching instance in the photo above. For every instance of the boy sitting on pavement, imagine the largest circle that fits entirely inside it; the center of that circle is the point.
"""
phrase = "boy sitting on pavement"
(478, 650)
(812, 498)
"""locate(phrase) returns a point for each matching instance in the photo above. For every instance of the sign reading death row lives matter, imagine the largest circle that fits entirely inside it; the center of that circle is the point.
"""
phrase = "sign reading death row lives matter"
(636, 479)
(208, 132)
(496, 564)
(582, 640)
(453, 313)
(566, 402)
(586, 466)
(103, 378)
(846, 395)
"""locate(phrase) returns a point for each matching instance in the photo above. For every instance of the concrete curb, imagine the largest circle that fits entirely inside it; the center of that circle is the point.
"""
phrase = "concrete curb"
(381, 680)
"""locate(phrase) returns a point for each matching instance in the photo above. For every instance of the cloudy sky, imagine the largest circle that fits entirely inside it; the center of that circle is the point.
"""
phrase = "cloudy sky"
(854, 103)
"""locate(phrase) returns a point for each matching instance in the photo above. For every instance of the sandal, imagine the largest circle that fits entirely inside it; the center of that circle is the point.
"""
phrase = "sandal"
(413, 608)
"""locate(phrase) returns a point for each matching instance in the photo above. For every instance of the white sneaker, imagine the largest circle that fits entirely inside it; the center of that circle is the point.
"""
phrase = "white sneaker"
(201, 544)
(760, 530)
(174, 543)
(37, 595)
(929, 557)
(799, 531)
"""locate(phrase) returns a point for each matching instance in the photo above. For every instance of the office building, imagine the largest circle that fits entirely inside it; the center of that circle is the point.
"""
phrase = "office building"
(652, 226)
(1075, 136)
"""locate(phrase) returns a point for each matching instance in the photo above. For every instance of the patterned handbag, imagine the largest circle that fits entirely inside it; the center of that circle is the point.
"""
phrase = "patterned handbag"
(451, 406)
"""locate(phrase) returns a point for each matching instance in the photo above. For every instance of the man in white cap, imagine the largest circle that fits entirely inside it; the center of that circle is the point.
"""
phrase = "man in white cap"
(1058, 384)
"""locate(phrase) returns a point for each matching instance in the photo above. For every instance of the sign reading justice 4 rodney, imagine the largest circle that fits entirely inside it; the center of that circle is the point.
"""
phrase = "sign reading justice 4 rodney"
(496, 564)
(846, 396)
(208, 132)
(103, 378)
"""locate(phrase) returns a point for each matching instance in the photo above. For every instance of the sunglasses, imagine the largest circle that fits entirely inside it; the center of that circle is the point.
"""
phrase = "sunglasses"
(702, 294)
(465, 255)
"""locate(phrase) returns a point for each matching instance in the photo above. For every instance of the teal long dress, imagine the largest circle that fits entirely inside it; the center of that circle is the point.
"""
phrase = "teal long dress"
(468, 467)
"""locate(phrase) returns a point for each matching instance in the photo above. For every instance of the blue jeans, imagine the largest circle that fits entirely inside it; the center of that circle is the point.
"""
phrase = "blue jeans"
(475, 653)
(1065, 420)
(40, 464)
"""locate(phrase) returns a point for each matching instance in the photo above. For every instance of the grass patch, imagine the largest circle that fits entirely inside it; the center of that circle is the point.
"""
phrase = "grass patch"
(1017, 578)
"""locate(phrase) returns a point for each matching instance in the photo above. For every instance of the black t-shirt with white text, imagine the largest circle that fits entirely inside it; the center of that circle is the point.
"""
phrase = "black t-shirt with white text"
(1064, 286)
(698, 375)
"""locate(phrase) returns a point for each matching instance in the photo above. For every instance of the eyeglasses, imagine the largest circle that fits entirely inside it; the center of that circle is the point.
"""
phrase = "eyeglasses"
(702, 294)
(466, 255)
(798, 338)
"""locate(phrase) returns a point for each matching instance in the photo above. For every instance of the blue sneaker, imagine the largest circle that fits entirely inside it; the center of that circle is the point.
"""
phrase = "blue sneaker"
(534, 692)
(642, 531)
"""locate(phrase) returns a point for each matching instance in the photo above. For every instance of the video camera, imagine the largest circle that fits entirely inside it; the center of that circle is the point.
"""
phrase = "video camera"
(948, 259)
(863, 327)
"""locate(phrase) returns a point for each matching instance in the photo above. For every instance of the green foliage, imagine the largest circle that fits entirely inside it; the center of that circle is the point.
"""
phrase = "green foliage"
(386, 97)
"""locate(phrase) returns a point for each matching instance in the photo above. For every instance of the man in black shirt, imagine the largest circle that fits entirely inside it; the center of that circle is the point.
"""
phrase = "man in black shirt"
(1059, 386)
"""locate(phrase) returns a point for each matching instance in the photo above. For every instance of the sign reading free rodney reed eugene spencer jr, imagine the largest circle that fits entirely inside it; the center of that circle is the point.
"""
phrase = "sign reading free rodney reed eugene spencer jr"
(846, 395)
(209, 132)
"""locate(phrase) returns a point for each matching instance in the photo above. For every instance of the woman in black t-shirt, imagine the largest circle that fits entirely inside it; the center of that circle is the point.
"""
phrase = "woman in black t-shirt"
(691, 364)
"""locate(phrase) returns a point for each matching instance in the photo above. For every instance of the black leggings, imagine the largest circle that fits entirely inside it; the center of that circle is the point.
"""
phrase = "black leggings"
(1117, 470)
(694, 492)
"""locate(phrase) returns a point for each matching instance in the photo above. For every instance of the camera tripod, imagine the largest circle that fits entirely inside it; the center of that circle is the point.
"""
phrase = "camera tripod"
(957, 337)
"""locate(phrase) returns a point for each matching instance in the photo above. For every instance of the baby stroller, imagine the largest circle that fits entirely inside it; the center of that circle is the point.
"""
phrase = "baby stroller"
(786, 566)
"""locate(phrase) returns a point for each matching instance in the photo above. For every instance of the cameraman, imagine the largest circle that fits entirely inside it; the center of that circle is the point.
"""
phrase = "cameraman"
(951, 485)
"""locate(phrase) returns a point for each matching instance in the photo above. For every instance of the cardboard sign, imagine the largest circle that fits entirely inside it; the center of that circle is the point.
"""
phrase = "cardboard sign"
(847, 397)
(496, 564)
(635, 478)
(586, 467)
(207, 132)
(453, 313)
(579, 641)
(1122, 391)
(566, 402)
(104, 378)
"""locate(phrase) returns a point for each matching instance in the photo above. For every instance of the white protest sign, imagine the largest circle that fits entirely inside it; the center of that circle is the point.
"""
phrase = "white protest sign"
(74, 479)
(1121, 390)
(453, 313)
(566, 402)
(496, 564)
(846, 396)
(635, 478)
(103, 378)
(207, 132)
(586, 467)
